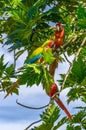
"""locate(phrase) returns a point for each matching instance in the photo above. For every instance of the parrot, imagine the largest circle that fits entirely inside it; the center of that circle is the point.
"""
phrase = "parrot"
(58, 41)
(59, 35)
(36, 56)
(54, 94)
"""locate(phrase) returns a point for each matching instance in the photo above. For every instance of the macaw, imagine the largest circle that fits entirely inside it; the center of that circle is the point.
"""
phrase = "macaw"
(58, 41)
(54, 94)
(59, 35)
(37, 54)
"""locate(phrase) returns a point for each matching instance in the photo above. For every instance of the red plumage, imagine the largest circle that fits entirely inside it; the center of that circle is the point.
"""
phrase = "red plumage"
(59, 35)
(53, 94)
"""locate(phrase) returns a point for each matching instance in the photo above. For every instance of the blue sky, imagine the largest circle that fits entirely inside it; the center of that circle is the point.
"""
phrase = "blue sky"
(15, 117)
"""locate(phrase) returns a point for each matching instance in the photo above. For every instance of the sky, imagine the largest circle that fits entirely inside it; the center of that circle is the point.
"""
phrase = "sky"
(15, 117)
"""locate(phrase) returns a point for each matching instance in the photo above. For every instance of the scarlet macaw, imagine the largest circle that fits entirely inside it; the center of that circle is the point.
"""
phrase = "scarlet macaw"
(58, 41)
(59, 35)
(54, 93)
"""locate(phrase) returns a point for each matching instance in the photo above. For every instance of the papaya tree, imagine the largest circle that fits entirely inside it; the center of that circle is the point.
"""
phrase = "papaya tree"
(25, 26)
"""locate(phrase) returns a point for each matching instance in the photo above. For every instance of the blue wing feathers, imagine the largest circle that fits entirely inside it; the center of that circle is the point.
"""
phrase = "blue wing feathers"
(34, 59)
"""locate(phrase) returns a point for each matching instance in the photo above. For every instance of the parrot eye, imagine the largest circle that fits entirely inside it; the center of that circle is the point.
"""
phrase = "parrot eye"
(53, 45)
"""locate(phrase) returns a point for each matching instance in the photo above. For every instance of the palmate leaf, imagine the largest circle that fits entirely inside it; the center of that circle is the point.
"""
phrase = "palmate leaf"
(78, 118)
(47, 80)
(60, 123)
(2, 65)
(31, 75)
(79, 70)
(34, 10)
(49, 116)
(47, 126)
(77, 76)
(35, 74)
(6, 72)
(48, 56)
(78, 121)
(9, 71)
(70, 127)
(81, 14)
(77, 92)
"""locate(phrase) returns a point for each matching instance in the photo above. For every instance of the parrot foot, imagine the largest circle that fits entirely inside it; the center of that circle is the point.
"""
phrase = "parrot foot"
(55, 95)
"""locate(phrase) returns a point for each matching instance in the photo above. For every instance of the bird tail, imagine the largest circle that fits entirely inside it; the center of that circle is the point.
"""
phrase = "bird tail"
(60, 103)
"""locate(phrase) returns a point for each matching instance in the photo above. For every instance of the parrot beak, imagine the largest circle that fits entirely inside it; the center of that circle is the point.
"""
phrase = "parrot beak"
(58, 28)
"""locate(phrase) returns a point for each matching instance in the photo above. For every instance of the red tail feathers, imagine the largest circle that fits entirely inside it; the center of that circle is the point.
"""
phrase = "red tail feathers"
(60, 103)
(52, 94)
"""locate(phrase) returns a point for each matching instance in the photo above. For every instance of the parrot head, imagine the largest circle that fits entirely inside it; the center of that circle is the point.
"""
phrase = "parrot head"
(59, 27)
(49, 43)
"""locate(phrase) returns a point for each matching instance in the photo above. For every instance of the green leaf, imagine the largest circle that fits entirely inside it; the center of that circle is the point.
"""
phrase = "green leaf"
(81, 14)
(60, 123)
(84, 123)
(31, 75)
(50, 115)
(10, 70)
(70, 127)
(78, 73)
(2, 65)
(83, 83)
(78, 127)
(79, 116)
(47, 126)
(48, 56)
(47, 80)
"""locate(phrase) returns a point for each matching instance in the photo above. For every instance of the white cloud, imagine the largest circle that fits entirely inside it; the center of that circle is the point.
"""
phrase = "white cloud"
(13, 126)
(20, 126)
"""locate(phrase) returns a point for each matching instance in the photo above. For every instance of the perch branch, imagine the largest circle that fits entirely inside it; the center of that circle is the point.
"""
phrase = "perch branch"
(67, 59)
(35, 108)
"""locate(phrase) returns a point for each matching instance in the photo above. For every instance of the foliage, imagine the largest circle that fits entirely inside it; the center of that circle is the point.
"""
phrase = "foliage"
(24, 26)
(49, 117)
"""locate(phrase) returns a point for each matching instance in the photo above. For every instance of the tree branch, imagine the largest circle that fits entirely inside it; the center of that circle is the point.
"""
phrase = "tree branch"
(35, 108)
(75, 58)
(67, 59)
(33, 124)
